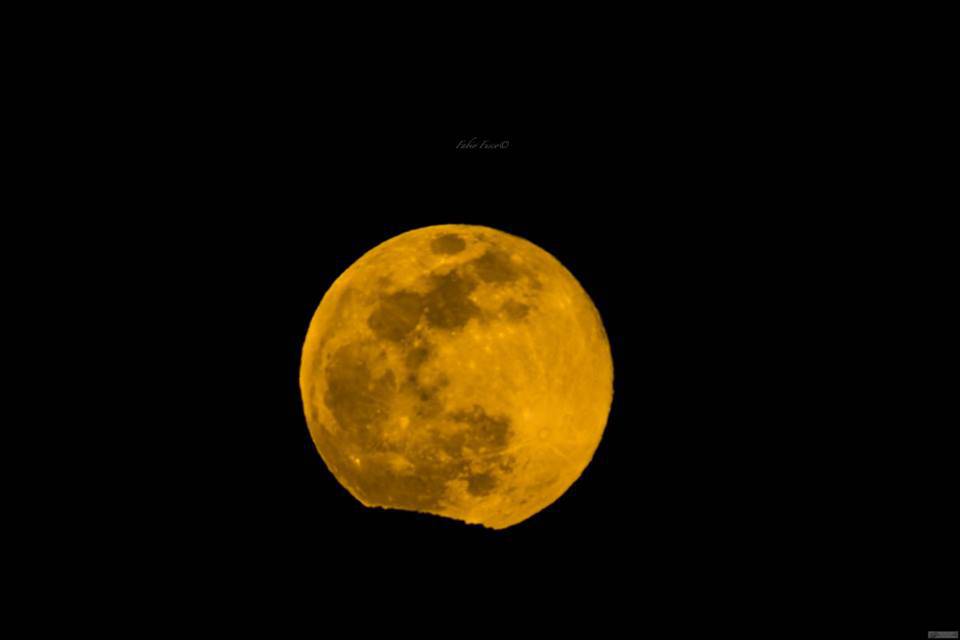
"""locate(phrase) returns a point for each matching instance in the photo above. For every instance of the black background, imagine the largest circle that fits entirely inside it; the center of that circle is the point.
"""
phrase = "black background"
(765, 453)
(763, 247)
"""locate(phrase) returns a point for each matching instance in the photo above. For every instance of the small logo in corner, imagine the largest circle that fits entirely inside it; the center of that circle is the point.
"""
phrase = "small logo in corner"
(942, 634)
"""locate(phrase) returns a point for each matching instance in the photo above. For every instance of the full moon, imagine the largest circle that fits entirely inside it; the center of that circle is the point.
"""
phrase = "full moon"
(459, 371)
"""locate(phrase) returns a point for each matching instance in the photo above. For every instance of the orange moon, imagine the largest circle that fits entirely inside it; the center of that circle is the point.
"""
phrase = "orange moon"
(459, 371)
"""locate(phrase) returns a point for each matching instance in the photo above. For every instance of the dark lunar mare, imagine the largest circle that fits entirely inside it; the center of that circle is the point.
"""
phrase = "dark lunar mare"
(515, 310)
(360, 400)
(495, 266)
(357, 399)
(448, 243)
(448, 305)
(396, 315)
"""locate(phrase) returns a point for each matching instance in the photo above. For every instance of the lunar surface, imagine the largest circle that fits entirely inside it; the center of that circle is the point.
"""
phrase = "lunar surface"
(459, 371)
